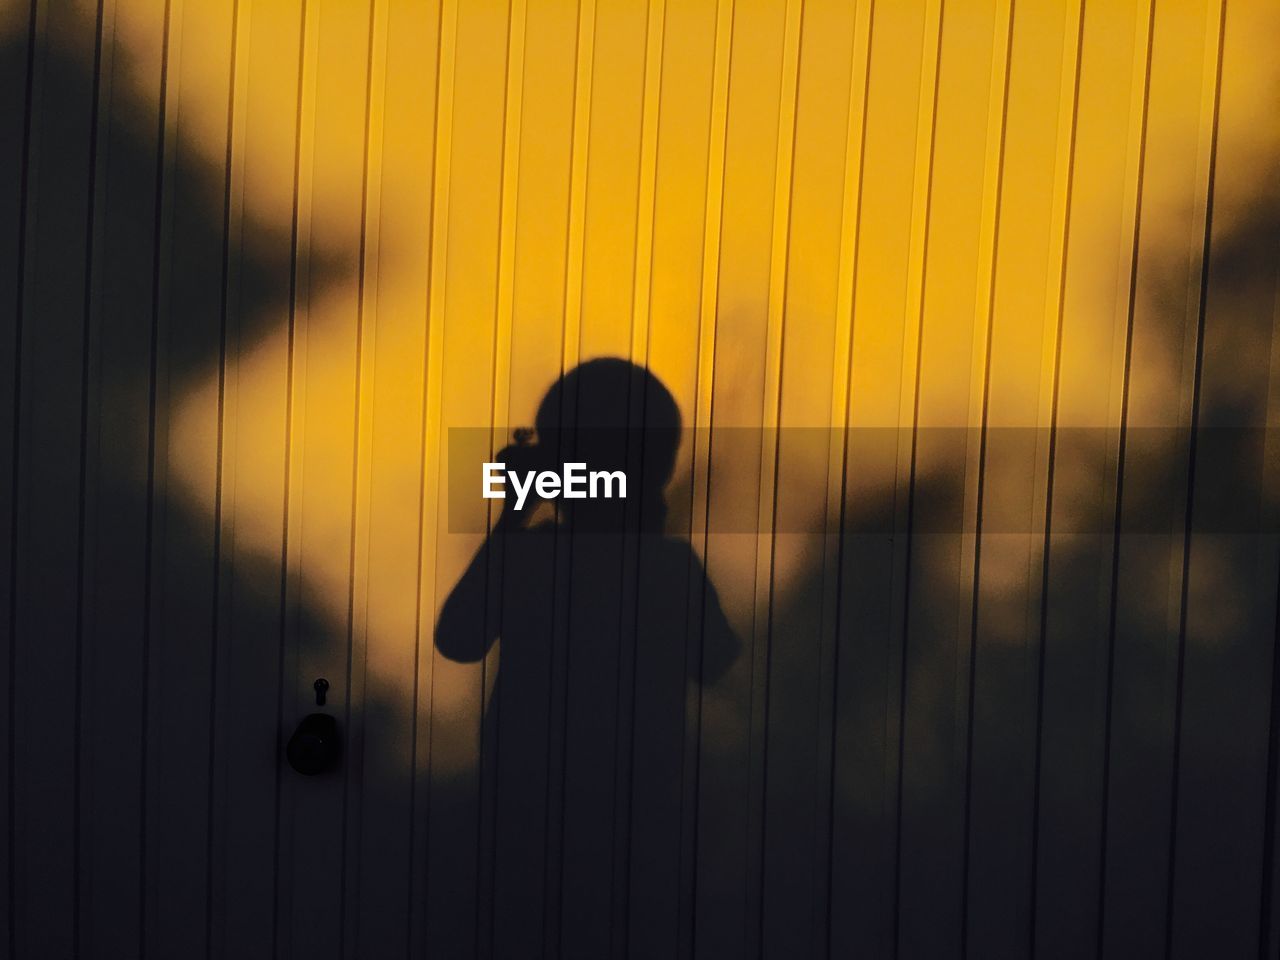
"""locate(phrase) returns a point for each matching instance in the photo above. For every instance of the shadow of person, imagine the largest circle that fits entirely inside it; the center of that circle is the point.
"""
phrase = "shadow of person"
(604, 625)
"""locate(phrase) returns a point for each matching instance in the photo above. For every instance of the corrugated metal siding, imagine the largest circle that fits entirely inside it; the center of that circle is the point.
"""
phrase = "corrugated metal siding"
(261, 256)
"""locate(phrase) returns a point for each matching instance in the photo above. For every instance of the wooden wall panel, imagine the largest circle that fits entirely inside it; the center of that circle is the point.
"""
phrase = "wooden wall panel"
(532, 335)
(1227, 636)
(47, 520)
(186, 549)
(793, 880)
(253, 379)
(1146, 579)
(18, 28)
(969, 311)
(727, 802)
(383, 866)
(1075, 623)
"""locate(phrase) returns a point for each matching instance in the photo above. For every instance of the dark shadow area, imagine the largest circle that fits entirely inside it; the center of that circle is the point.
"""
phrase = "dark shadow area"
(602, 624)
(146, 707)
(1083, 762)
(1088, 769)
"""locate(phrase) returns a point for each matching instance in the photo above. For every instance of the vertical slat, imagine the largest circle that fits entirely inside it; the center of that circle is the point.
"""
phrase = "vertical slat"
(17, 33)
(291, 810)
(433, 363)
(910, 598)
(399, 204)
(1227, 640)
(907, 440)
(92, 405)
(976, 433)
(513, 112)
(676, 194)
(1097, 304)
(47, 496)
(643, 571)
(358, 939)
(233, 184)
(725, 881)
(531, 292)
(189, 338)
(1146, 586)
(1017, 450)
(611, 171)
(119, 311)
(467, 312)
(323, 462)
(708, 265)
(497, 420)
(761, 650)
(495, 417)
(570, 354)
(793, 876)
(1269, 927)
(962, 90)
(903, 53)
(848, 927)
(253, 495)
(153, 480)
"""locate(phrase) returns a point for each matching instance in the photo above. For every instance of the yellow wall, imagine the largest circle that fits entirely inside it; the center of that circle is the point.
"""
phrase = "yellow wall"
(268, 252)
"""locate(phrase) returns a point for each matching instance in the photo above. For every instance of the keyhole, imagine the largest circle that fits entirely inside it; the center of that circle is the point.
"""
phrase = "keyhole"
(321, 687)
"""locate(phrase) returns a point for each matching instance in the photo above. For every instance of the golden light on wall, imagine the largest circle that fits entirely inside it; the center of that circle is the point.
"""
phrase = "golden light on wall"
(929, 194)
(946, 234)
(558, 185)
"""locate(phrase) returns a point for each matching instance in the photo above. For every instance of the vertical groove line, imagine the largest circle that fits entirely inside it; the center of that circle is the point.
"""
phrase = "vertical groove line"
(290, 461)
(434, 364)
(230, 178)
(912, 359)
(997, 123)
(16, 512)
(1136, 149)
(1051, 360)
(1270, 518)
(980, 403)
(1191, 483)
(570, 354)
(499, 406)
(158, 265)
(424, 615)
(771, 414)
(19, 313)
(841, 405)
(1269, 811)
(709, 297)
(361, 460)
(91, 228)
(646, 187)
(1265, 920)
(508, 209)
(642, 277)
(1207, 133)
(1118, 526)
(570, 351)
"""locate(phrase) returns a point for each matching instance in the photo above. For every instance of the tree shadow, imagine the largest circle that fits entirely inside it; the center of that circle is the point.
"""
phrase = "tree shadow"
(1099, 768)
(142, 642)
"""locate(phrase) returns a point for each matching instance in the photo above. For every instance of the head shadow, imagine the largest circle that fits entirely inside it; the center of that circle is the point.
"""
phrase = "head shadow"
(612, 417)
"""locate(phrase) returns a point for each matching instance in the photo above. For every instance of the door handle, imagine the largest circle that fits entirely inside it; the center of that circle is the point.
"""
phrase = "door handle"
(313, 748)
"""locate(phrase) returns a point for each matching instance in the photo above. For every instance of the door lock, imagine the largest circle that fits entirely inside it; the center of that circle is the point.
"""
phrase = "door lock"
(313, 748)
